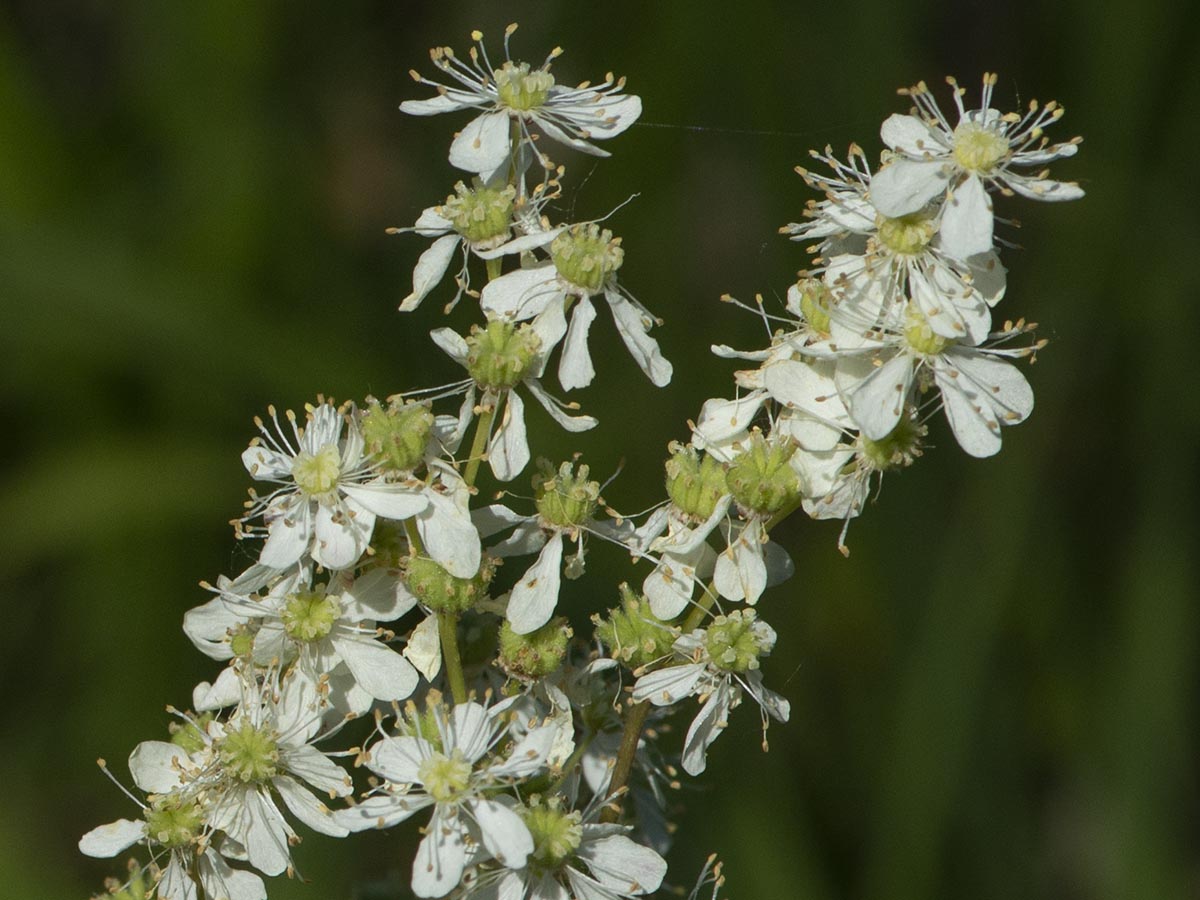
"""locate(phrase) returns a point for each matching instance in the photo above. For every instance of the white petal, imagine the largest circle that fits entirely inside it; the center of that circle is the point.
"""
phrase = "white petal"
(156, 766)
(380, 671)
(668, 685)
(424, 648)
(483, 145)
(452, 343)
(523, 243)
(378, 595)
(109, 840)
(265, 464)
(430, 269)
(614, 115)
(623, 865)
(264, 833)
(903, 186)
(220, 880)
(176, 883)
(575, 368)
(534, 597)
(521, 294)
(381, 811)
(981, 393)
(207, 627)
(705, 729)
(342, 534)
(634, 329)
(722, 421)
(741, 572)
(288, 536)
(311, 765)
(447, 100)
(910, 135)
(573, 424)
(1044, 188)
(225, 691)
(529, 755)
(449, 536)
(504, 833)
(470, 729)
(508, 450)
(966, 227)
(392, 500)
(307, 808)
(440, 859)
(877, 401)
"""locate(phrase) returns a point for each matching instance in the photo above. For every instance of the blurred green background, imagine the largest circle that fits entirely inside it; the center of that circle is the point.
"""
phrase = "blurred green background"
(994, 697)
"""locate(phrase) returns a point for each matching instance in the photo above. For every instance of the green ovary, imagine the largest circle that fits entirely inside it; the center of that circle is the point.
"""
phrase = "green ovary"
(250, 754)
(317, 473)
(978, 149)
(695, 482)
(556, 834)
(499, 355)
(174, 822)
(906, 235)
(520, 89)
(586, 256)
(732, 644)
(309, 615)
(445, 777)
(396, 435)
(761, 478)
(481, 215)
(566, 498)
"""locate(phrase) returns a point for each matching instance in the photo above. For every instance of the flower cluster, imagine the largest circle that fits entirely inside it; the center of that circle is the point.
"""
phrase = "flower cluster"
(379, 663)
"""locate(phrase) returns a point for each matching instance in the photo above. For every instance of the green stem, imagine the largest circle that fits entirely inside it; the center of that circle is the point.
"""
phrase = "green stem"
(483, 428)
(635, 719)
(451, 660)
(494, 268)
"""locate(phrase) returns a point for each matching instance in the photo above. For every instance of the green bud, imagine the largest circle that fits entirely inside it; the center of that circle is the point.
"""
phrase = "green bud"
(900, 448)
(585, 256)
(565, 498)
(520, 89)
(395, 437)
(761, 478)
(482, 215)
(241, 640)
(250, 754)
(632, 633)
(556, 833)
(500, 355)
(174, 821)
(695, 481)
(734, 644)
(443, 592)
(537, 654)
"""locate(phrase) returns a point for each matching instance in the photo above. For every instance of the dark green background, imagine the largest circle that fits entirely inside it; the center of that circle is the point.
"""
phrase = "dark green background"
(994, 697)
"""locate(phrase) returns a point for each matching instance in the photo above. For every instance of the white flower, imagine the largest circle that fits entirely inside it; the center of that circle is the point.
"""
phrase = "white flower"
(931, 157)
(265, 749)
(324, 626)
(874, 262)
(501, 357)
(512, 97)
(979, 390)
(453, 770)
(583, 264)
(716, 663)
(328, 492)
(573, 856)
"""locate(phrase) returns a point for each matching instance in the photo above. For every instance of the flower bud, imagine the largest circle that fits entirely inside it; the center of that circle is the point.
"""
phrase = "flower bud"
(537, 654)
(585, 257)
(695, 481)
(632, 633)
(395, 437)
(443, 592)
(500, 355)
(761, 478)
(565, 499)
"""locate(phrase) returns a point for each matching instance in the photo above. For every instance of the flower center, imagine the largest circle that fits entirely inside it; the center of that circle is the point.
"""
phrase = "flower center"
(317, 473)
(978, 148)
(920, 336)
(445, 777)
(308, 616)
(565, 498)
(586, 256)
(482, 215)
(906, 235)
(761, 478)
(556, 834)
(734, 644)
(499, 355)
(173, 821)
(249, 753)
(521, 89)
